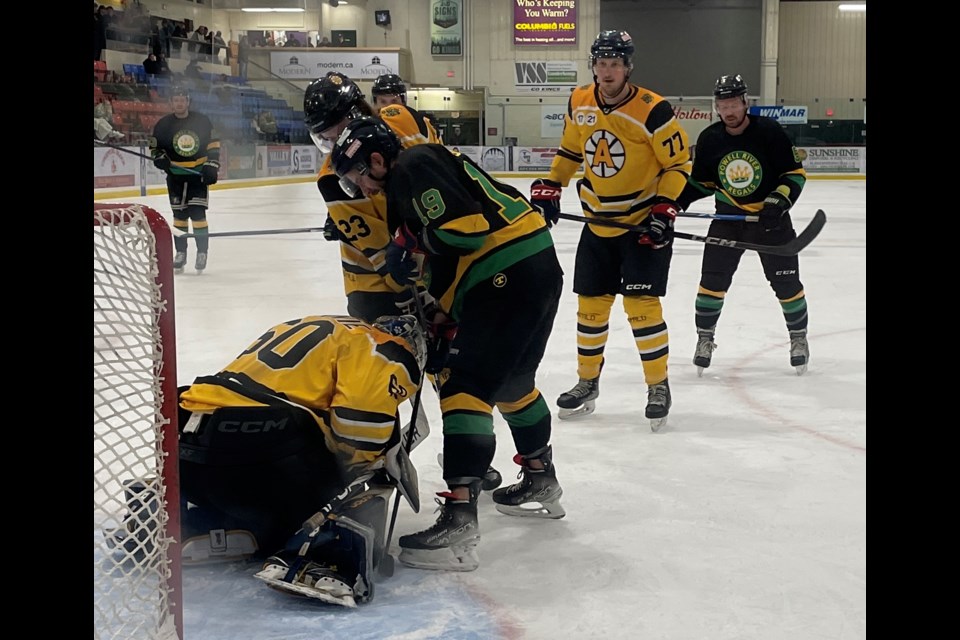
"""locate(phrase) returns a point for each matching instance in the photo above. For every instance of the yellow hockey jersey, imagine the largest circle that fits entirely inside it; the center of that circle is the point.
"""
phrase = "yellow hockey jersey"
(363, 220)
(350, 376)
(634, 154)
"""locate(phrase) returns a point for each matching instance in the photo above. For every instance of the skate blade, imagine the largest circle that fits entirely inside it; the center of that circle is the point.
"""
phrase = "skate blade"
(546, 510)
(180, 270)
(458, 557)
(583, 410)
(273, 577)
(801, 369)
(658, 423)
(699, 372)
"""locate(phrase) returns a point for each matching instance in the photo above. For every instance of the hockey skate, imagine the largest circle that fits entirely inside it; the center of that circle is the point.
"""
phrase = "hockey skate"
(579, 401)
(179, 261)
(490, 481)
(291, 573)
(137, 536)
(704, 352)
(535, 486)
(799, 351)
(201, 262)
(658, 404)
(451, 543)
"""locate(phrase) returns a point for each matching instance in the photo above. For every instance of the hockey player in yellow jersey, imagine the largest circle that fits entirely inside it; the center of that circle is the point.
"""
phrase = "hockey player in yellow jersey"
(636, 161)
(304, 421)
(359, 223)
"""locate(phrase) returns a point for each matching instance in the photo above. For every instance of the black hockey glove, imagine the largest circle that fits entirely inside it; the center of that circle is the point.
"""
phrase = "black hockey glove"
(209, 172)
(545, 195)
(400, 262)
(331, 231)
(774, 208)
(162, 162)
(442, 330)
(660, 232)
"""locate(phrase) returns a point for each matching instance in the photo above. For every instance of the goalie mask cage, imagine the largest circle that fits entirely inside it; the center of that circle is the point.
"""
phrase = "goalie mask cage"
(136, 522)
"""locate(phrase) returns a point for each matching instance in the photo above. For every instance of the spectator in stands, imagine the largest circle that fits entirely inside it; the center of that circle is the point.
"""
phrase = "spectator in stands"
(292, 42)
(266, 125)
(164, 33)
(325, 42)
(164, 65)
(192, 70)
(99, 31)
(197, 40)
(151, 65)
(243, 57)
(177, 37)
(103, 122)
(207, 47)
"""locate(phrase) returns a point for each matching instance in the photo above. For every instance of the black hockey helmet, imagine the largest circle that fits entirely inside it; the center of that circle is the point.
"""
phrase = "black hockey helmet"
(612, 44)
(729, 87)
(389, 84)
(328, 100)
(361, 138)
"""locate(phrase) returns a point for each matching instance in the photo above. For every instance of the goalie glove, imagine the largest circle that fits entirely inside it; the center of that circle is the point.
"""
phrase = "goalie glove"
(545, 196)
(209, 172)
(660, 231)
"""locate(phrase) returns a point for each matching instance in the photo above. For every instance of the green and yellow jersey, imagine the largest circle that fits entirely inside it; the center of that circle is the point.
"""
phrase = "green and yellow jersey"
(472, 226)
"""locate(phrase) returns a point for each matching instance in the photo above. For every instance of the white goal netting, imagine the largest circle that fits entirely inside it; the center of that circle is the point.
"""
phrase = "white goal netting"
(136, 496)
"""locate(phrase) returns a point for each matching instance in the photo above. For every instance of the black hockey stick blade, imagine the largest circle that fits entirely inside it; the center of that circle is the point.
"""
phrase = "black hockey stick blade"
(791, 248)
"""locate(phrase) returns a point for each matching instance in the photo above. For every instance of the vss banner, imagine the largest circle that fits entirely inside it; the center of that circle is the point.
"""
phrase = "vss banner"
(356, 65)
(446, 27)
(550, 76)
(544, 22)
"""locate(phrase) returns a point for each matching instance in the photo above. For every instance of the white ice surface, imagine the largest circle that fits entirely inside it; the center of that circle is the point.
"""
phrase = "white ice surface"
(745, 518)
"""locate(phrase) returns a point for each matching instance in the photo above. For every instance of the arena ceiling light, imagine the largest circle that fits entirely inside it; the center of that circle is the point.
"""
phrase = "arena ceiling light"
(853, 7)
(266, 10)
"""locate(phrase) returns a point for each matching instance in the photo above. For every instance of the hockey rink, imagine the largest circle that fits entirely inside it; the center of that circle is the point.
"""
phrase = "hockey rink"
(744, 518)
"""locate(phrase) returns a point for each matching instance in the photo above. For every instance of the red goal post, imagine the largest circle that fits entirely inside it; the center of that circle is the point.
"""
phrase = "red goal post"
(137, 571)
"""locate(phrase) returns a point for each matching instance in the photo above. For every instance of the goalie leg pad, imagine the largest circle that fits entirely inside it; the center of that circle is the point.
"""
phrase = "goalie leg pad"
(338, 563)
(219, 545)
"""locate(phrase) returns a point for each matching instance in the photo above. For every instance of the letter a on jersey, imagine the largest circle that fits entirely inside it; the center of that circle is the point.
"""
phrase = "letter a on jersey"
(604, 152)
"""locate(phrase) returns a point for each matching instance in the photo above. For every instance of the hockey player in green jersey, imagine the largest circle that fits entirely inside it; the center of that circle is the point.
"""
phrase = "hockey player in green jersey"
(491, 266)
(749, 166)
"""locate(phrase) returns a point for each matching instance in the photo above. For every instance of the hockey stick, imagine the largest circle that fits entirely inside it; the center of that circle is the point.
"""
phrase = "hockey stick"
(261, 232)
(791, 248)
(141, 155)
(386, 566)
(739, 217)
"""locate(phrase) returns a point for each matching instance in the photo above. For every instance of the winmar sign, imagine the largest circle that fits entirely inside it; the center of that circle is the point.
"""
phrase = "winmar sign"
(782, 114)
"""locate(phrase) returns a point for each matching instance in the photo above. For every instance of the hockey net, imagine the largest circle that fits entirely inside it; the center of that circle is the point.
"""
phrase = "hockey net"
(136, 552)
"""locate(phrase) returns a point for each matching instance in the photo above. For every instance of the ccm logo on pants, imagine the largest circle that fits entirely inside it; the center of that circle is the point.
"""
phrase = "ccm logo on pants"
(253, 426)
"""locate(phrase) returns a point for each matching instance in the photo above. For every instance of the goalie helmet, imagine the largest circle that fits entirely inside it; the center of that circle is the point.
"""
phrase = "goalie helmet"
(330, 99)
(389, 84)
(359, 140)
(408, 328)
(612, 44)
(729, 87)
